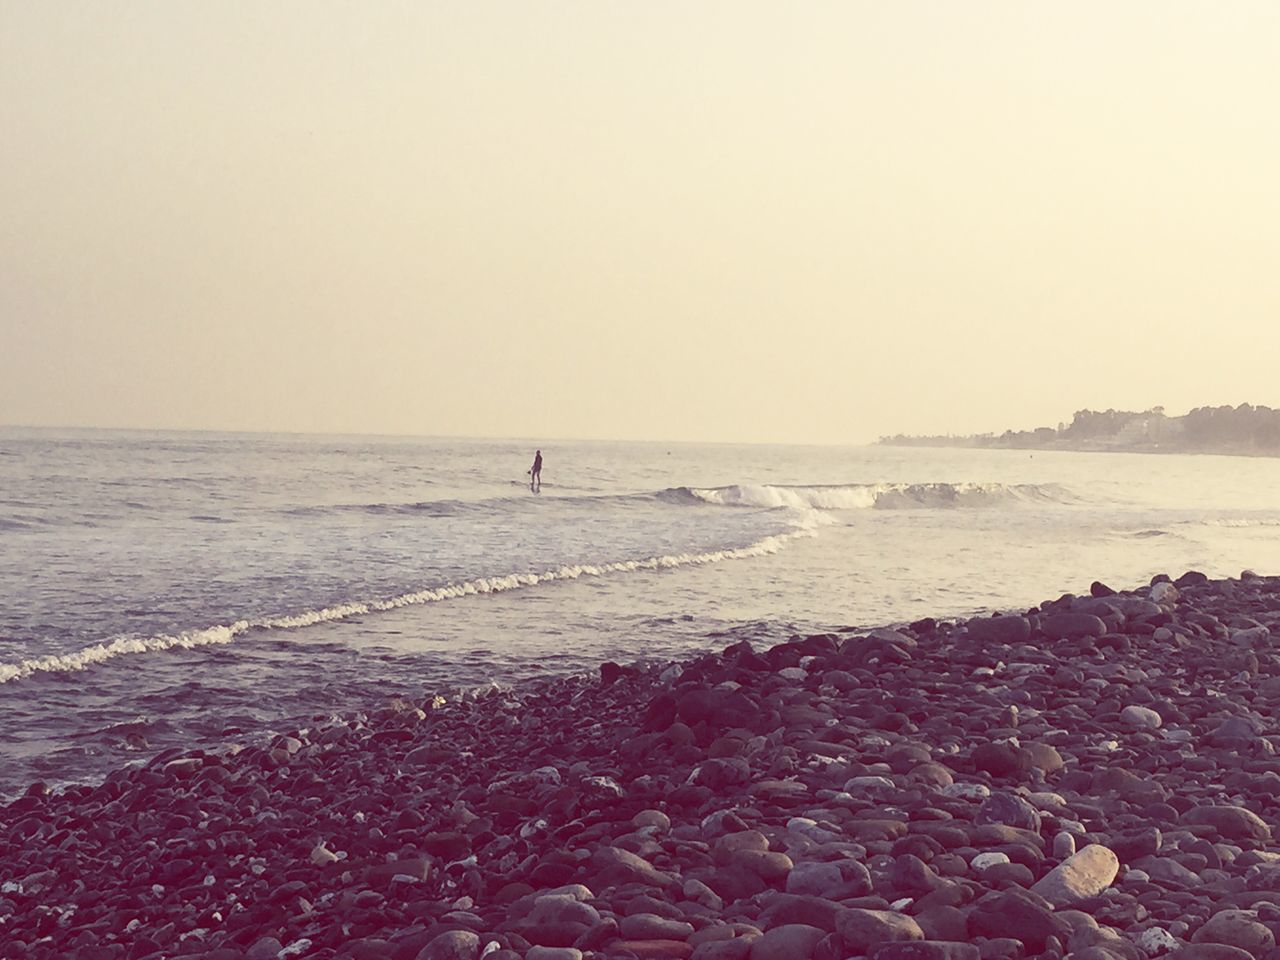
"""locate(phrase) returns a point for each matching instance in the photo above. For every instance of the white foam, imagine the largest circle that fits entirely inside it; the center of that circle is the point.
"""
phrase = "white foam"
(120, 646)
(100, 652)
(1243, 522)
(866, 496)
(857, 497)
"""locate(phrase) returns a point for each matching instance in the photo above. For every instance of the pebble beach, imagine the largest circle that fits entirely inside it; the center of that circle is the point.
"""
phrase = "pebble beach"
(1093, 778)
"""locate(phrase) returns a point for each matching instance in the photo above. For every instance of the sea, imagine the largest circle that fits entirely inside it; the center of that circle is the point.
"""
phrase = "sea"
(164, 590)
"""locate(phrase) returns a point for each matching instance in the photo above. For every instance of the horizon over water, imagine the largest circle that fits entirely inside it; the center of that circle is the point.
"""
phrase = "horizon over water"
(195, 588)
(532, 442)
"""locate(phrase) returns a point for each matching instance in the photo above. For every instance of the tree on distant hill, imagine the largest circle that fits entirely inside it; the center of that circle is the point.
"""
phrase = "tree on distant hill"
(1090, 424)
(1241, 429)
(1227, 426)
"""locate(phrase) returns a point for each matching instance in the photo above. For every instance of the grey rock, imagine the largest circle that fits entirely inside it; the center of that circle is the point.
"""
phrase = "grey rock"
(650, 926)
(265, 949)
(1080, 877)
(1006, 629)
(927, 950)
(451, 945)
(1072, 626)
(794, 941)
(860, 930)
(1010, 809)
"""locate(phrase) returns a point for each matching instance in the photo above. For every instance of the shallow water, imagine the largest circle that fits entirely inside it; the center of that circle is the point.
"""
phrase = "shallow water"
(167, 588)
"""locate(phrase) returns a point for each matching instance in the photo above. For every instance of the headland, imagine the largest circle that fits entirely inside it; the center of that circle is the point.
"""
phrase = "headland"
(1245, 430)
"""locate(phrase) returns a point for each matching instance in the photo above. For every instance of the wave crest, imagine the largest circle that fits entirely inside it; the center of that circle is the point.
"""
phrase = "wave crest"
(1240, 523)
(868, 496)
(851, 496)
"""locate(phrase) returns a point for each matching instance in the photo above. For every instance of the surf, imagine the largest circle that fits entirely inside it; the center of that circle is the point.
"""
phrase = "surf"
(851, 496)
(219, 634)
(873, 496)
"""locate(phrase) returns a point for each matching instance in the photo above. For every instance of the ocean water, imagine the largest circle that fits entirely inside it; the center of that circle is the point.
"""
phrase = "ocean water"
(166, 589)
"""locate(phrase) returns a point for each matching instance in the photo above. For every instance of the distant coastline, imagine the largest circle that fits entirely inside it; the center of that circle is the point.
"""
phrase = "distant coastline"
(1245, 430)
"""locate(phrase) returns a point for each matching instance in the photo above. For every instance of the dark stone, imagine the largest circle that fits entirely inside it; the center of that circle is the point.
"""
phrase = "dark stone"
(927, 950)
(1072, 626)
(1004, 629)
(719, 708)
(1009, 809)
(786, 908)
(660, 713)
(1001, 759)
(1017, 916)
(911, 875)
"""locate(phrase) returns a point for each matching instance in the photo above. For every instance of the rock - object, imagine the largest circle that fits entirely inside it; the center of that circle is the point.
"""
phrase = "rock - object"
(1080, 877)
(1094, 777)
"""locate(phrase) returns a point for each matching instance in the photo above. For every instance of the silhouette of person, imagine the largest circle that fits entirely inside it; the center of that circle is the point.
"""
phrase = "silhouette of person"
(535, 472)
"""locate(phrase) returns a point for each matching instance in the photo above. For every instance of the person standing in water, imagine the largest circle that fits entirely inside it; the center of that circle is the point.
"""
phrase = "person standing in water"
(535, 472)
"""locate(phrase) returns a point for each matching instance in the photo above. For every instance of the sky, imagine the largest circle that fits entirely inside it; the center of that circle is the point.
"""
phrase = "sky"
(737, 221)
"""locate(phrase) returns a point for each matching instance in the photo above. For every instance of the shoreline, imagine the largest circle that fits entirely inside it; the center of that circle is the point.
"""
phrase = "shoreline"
(1095, 777)
(1087, 448)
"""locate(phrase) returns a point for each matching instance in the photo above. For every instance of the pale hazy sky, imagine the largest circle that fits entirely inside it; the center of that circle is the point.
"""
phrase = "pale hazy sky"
(723, 221)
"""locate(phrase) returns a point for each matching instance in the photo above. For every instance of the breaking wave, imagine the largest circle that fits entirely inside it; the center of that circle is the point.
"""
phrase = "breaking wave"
(854, 496)
(225, 633)
(1242, 522)
(877, 496)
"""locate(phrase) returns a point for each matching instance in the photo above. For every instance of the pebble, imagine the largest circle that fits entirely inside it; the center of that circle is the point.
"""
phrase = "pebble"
(984, 861)
(927, 950)
(1064, 845)
(1094, 777)
(792, 941)
(1081, 876)
(649, 926)
(553, 953)
(1142, 717)
(451, 945)
(1237, 928)
(860, 929)
(1155, 941)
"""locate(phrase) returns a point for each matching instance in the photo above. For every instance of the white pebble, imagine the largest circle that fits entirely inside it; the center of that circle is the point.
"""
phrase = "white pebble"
(869, 783)
(989, 859)
(1156, 940)
(1064, 845)
(967, 791)
(1142, 717)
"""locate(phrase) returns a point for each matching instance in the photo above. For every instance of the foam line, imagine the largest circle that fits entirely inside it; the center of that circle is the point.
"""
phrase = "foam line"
(225, 633)
(1242, 522)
